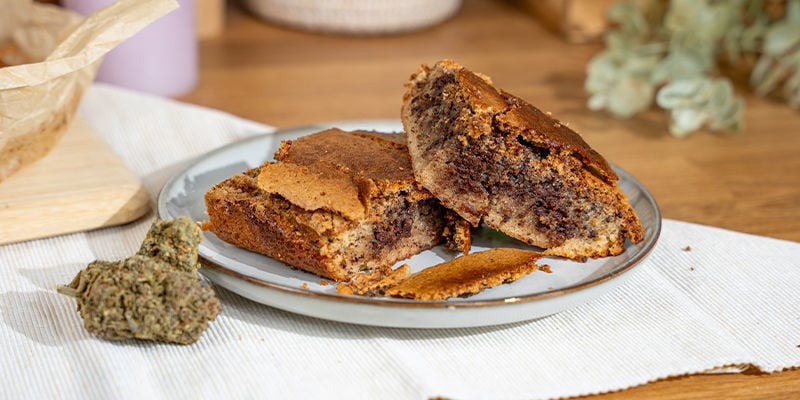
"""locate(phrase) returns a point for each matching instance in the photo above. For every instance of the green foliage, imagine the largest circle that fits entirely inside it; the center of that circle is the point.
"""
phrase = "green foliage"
(669, 53)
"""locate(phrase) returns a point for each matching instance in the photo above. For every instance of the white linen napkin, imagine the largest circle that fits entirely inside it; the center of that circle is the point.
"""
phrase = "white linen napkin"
(704, 299)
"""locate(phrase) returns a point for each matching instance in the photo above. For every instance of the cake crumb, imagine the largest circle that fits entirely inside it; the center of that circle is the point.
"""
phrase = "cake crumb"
(545, 268)
(323, 282)
(304, 285)
(374, 283)
(344, 289)
(687, 248)
(467, 275)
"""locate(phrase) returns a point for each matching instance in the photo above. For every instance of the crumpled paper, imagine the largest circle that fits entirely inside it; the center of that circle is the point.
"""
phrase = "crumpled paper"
(38, 99)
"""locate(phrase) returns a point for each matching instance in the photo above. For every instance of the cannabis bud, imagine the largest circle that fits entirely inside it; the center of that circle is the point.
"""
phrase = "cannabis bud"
(152, 295)
(143, 298)
(174, 242)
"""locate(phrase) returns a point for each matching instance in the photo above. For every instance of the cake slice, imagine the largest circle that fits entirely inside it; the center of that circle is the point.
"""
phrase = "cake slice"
(467, 275)
(334, 203)
(492, 157)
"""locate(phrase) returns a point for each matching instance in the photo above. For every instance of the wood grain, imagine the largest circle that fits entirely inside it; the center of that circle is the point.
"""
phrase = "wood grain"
(80, 185)
(748, 182)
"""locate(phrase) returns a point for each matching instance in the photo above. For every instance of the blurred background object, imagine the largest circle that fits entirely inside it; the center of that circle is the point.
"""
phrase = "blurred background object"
(210, 18)
(161, 59)
(679, 55)
(56, 53)
(34, 108)
(577, 21)
(56, 175)
(355, 16)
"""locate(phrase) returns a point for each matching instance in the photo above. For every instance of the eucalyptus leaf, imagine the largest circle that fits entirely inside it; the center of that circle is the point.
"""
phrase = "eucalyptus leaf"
(721, 96)
(793, 11)
(772, 78)
(753, 8)
(621, 12)
(629, 17)
(640, 64)
(699, 22)
(668, 51)
(731, 44)
(684, 93)
(694, 103)
(730, 118)
(619, 81)
(781, 37)
(753, 34)
(620, 40)
(630, 96)
(791, 90)
(685, 121)
(791, 60)
(679, 65)
(760, 70)
(601, 72)
(598, 102)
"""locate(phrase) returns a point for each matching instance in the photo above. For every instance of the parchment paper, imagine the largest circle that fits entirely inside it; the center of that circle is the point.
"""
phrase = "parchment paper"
(38, 99)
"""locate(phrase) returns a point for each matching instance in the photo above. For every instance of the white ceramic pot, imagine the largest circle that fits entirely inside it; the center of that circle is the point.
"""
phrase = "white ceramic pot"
(355, 16)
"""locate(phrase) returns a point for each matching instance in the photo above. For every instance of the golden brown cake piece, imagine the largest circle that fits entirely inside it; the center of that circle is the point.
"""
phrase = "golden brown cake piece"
(374, 283)
(334, 204)
(492, 157)
(467, 275)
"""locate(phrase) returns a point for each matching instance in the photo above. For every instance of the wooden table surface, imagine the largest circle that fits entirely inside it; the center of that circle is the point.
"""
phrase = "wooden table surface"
(748, 182)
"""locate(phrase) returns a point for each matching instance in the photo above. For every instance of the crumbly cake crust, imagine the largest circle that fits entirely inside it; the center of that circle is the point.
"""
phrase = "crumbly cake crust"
(467, 275)
(374, 283)
(492, 157)
(334, 204)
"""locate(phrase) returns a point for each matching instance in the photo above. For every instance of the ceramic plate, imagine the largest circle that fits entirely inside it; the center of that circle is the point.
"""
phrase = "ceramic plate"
(271, 282)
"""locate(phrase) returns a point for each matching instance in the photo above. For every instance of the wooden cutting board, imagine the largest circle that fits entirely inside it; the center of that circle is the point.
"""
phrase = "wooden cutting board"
(80, 185)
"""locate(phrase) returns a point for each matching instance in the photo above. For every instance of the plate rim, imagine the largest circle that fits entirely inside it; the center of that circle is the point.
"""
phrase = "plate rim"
(388, 302)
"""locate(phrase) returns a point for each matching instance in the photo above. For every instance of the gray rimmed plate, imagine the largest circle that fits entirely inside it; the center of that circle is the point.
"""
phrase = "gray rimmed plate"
(271, 282)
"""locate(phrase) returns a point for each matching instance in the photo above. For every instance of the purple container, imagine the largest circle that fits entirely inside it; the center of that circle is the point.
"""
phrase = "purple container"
(160, 59)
